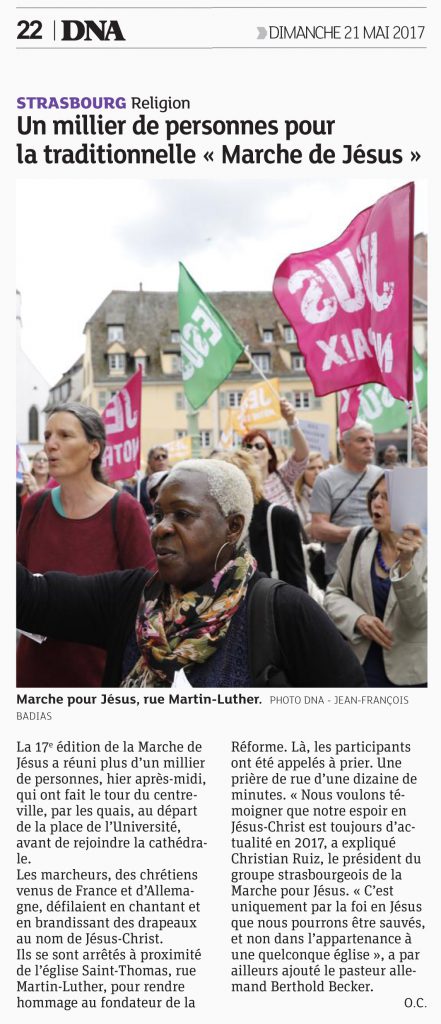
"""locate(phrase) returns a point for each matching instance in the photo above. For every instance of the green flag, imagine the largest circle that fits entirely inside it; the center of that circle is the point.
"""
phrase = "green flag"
(386, 413)
(209, 346)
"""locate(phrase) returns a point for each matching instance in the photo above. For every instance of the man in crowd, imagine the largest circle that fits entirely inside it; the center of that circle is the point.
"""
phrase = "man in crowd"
(391, 457)
(338, 500)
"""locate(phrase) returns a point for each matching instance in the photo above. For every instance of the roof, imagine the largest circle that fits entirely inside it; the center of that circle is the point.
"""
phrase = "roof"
(149, 318)
(66, 376)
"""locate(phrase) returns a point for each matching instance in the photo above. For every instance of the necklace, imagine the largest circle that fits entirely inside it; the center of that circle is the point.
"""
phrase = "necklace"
(380, 559)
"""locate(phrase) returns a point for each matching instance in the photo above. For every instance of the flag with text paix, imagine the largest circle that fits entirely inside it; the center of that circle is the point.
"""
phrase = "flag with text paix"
(350, 302)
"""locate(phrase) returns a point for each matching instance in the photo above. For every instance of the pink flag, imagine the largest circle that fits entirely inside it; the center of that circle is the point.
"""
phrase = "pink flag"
(348, 406)
(122, 418)
(350, 302)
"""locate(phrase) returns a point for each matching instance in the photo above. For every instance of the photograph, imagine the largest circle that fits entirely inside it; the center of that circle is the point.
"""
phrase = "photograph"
(278, 417)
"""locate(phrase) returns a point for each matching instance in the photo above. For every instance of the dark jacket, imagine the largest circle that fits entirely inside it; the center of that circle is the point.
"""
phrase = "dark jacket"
(287, 543)
(101, 610)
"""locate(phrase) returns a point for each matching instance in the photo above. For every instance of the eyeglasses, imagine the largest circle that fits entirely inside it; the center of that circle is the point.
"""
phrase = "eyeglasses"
(162, 455)
(379, 494)
(259, 445)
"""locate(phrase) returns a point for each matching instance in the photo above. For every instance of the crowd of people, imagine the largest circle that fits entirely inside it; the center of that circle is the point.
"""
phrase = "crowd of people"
(240, 569)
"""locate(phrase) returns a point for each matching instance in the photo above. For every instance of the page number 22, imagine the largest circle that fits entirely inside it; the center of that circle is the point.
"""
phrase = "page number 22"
(29, 30)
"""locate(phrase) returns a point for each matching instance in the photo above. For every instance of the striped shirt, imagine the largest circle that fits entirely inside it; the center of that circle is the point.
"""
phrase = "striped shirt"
(278, 486)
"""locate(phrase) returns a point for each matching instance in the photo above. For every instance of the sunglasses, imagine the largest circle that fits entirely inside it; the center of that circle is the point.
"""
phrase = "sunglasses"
(162, 455)
(259, 445)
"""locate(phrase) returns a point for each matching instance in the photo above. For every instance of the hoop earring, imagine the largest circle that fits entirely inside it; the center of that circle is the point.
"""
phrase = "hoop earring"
(227, 542)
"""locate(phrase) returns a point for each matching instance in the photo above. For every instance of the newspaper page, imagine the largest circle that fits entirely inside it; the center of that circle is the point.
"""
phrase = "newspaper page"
(222, 850)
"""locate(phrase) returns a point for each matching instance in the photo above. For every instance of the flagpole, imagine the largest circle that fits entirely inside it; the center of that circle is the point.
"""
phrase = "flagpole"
(193, 429)
(216, 428)
(256, 367)
(409, 420)
(409, 433)
(417, 404)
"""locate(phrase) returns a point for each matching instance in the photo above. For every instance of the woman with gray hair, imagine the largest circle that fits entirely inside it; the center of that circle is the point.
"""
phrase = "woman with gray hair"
(81, 526)
(378, 596)
(206, 610)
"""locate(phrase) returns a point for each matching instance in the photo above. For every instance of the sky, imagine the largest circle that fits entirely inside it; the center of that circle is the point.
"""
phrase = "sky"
(77, 240)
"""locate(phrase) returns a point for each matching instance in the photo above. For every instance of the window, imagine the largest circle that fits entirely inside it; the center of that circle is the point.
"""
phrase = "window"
(180, 433)
(263, 361)
(175, 337)
(267, 335)
(33, 423)
(179, 400)
(104, 397)
(115, 332)
(65, 391)
(234, 399)
(141, 361)
(289, 334)
(298, 363)
(176, 364)
(205, 438)
(230, 399)
(302, 399)
(117, 362)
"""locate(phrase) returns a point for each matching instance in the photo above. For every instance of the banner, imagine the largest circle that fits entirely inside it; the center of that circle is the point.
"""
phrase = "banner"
(227, 435)
(317, 436)
(122, 419)
(209, 346)
(349, 407)
(259, 406)
(382, 410)
(350, 302)
(375, 404)
(179, 449)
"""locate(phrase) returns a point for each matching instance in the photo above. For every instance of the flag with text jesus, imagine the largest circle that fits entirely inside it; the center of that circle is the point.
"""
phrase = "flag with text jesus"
(350, 302)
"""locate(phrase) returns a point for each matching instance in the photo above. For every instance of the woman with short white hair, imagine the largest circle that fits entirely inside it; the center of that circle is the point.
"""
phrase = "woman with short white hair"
(206, 610)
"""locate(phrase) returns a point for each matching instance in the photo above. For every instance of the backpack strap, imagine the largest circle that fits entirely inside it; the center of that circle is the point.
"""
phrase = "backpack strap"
(41, 498)
(269, 529)
(263, 644)
(358, 540)
(113, 510)
(346, 496)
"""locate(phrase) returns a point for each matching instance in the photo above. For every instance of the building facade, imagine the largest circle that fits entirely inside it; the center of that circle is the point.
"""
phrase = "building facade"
(131, 329)
(69, 388)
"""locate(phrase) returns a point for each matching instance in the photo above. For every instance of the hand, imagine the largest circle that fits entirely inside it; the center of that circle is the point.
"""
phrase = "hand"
(288, 412)
(409, 541)
(29, 483)
(374, 629)
(420, 442)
